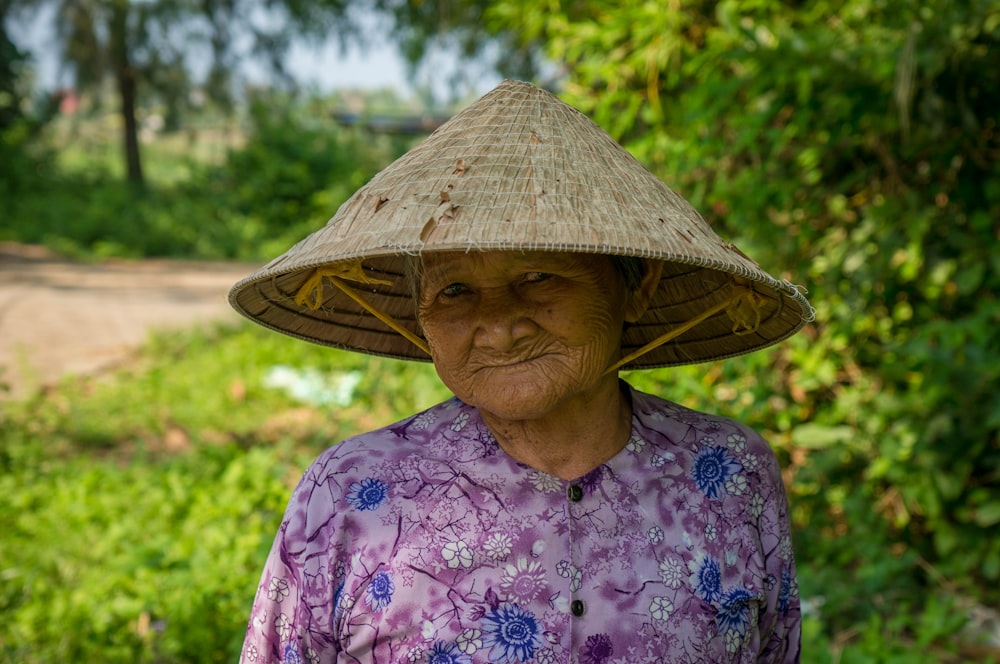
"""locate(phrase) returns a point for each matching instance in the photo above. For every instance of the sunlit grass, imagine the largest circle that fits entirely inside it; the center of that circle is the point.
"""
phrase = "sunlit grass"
(137, 507)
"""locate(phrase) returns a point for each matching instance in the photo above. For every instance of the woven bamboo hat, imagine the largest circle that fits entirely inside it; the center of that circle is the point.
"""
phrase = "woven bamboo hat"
(519, 170)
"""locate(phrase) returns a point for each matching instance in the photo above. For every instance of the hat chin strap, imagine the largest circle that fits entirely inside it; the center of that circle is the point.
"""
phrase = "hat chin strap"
(311, 295)
(743, 307)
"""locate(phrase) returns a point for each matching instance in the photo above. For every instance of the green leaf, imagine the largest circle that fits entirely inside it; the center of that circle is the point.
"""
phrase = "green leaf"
(987, 515)
(818, 436)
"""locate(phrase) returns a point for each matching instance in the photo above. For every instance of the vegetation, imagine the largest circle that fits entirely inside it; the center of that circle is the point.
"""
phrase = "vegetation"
(852, 145)
(137, 509)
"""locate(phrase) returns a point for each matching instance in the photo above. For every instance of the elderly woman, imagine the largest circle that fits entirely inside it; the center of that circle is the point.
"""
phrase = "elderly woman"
(549, 512)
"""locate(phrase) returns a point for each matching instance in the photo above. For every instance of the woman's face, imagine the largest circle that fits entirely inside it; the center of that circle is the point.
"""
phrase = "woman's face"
(521, 334)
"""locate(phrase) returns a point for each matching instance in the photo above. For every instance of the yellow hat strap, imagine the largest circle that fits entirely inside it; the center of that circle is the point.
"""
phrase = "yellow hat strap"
(743, 308)
(311, 295)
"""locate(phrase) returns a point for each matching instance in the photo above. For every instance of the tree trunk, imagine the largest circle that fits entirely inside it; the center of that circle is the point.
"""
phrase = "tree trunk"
(125, 78)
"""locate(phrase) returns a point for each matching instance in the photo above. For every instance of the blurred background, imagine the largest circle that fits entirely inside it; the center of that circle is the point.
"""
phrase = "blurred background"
(849, 146)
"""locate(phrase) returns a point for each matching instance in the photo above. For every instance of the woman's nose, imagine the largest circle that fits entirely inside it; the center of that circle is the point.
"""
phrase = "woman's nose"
(503, 321)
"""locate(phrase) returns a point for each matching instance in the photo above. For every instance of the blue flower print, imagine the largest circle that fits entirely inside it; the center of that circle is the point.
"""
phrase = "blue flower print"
(380, 591)
(734, 615)
(712, 467)
(512, 633)
(447, 653)
(367, 494)
(338, 594)
(707, 578)
(292, 654)
(785, 592)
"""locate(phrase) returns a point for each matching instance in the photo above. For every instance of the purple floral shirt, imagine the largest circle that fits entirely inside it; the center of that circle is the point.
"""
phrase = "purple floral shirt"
(425, 542)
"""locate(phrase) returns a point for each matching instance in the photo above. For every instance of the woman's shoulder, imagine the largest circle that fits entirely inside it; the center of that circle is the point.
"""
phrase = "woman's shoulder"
(657, 408)
(695, 429)
(416, 435)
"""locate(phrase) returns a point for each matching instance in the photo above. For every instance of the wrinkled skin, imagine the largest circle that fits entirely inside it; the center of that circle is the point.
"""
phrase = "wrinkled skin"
(527, 338)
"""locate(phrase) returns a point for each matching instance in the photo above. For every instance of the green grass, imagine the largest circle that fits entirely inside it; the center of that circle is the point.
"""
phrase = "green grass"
(137, 508)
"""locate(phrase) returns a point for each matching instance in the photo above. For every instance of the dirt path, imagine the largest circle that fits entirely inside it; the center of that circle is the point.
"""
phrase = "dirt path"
(60, 317)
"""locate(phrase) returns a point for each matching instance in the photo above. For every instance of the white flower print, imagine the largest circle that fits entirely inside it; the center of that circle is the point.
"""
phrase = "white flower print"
(737, 442)
(424, 420)
(251, 653)
(711, 532)
(736, 485)
(522, 582)
(544, 482)
(661, 608)
(756, 505)
(673, 572)
(546, 656)
(277, 590)
(576, 579)
(635, 444)
(655, 534)
(657, 461)
(470, 641)
(457, 554)
(733, 641)
(283, 626)
(459, 422)
(428, 631)
(415, 654)
(497, 547)
(786, 548)
(564, 569)
(751, 461)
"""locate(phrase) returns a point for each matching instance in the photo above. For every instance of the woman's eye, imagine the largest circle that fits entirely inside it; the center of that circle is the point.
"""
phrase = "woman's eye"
(453, 290)
(535, 277)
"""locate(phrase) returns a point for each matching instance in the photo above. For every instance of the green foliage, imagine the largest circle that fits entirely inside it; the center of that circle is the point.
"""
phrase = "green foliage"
(137, 509)
(292, 170)
(293, 173)
(151, 562)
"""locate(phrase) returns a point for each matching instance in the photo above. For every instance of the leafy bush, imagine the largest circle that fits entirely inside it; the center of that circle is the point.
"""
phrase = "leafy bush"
(137, 509)
(295, 167)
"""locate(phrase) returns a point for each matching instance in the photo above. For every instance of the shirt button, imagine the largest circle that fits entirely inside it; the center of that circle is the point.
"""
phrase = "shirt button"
(575, 493)
(577, 607)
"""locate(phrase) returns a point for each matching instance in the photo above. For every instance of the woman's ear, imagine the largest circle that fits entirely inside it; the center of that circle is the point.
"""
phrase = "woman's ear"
(639, 299)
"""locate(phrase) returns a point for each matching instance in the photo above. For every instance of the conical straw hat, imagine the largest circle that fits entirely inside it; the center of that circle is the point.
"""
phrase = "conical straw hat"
(519, 170)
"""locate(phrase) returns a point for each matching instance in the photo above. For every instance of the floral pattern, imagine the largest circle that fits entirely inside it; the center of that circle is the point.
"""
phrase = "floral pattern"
(424, 542)
(513, 634)
(379, 593)
(367, 494)
(447, 653)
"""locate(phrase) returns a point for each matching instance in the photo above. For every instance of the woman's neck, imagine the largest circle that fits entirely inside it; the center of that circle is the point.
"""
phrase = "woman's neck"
(572, 440)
